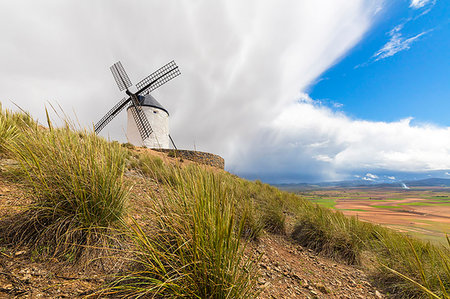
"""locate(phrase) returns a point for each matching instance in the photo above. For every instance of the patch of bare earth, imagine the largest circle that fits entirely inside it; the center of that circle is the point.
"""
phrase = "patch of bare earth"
(21, 277)
(290, 271)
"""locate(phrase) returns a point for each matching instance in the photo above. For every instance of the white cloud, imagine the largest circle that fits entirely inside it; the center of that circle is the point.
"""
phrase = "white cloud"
(323, 158)
(341, 145)
(447, 173)
(391, 177)
(371, 176)
(338, 105)
(396, 43)
(416, 4)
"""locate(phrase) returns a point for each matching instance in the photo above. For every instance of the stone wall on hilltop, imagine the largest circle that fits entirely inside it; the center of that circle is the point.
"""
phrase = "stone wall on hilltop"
(196, 156)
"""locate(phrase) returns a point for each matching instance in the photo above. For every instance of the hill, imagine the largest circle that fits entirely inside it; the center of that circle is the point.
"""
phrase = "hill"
(81, 216)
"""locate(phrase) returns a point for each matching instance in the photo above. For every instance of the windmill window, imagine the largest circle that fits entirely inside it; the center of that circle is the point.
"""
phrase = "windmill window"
(155, 111)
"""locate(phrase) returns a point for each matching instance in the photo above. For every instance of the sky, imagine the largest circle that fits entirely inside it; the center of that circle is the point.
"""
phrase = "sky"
(286, 91)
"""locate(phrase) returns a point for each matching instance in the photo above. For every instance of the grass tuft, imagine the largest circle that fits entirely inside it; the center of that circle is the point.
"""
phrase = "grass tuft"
(11, 126)
(192, 248)
(78, 189)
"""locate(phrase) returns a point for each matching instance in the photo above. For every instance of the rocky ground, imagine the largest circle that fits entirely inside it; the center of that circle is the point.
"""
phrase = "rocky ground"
(291, 271)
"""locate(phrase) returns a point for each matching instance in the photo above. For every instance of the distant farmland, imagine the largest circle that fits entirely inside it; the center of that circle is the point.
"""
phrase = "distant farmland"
(420, 211)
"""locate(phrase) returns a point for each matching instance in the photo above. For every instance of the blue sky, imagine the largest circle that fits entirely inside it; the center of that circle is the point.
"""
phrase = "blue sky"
(413, 82)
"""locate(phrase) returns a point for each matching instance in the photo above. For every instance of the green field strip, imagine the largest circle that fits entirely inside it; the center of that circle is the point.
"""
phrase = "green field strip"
(386, 207)
(326, 202)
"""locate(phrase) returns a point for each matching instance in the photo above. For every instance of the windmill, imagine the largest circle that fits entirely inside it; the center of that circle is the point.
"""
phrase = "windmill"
(142, 106)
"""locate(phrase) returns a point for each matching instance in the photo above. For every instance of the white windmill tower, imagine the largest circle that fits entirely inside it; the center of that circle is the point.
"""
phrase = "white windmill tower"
(148, 120)
(158, 117)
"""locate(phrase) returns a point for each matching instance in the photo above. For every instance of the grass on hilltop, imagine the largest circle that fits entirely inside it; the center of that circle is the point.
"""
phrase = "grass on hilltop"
(11, 125)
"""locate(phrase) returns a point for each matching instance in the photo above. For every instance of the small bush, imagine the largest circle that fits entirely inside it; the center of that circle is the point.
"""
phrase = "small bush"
(8, 132)
(409, 267)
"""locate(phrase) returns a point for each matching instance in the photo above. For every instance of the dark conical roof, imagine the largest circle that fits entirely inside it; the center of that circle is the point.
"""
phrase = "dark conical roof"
(150, 101)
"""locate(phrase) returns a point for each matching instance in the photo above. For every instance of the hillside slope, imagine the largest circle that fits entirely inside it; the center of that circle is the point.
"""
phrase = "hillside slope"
(286, 269)
(80, 216)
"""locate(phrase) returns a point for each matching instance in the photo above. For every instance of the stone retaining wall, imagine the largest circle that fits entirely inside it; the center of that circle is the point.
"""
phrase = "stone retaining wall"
(196, 156)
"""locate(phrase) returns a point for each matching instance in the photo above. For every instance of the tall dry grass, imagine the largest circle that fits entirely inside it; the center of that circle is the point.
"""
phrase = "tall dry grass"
(12, 124)
(78, 189)
(193, 247)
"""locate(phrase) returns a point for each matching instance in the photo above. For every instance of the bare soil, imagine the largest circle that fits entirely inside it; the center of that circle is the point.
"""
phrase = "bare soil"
(290, 271)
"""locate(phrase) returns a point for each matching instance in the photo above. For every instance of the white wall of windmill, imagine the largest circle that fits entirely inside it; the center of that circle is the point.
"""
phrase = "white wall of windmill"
(159, 120)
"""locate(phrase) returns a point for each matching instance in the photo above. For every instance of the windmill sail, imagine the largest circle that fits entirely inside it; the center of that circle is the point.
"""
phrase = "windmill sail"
(111, 114)
(121, 77)
(158, 78)
(142, 122)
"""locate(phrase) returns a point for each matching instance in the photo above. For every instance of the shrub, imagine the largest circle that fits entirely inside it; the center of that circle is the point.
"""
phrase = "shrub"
(274, 219)
(410, 268)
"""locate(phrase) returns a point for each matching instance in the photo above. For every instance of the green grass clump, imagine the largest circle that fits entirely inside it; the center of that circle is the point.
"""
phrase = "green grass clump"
(273, 217)
(193, 247)
(78, 185)
(410, 268)
(329, 233)
(11, 125)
